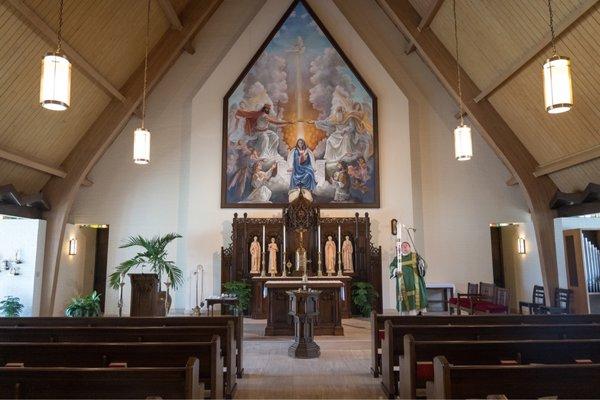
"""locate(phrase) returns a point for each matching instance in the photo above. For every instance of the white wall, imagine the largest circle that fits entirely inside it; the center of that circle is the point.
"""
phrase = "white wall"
(521, 271)
(75, 270)
(180, 189)
(28, 237)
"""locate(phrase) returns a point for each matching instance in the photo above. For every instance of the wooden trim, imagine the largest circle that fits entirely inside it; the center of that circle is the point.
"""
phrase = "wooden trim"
(376, 198)
(511, 181)
(171, 14)
(28, 161)
(409, 48)
(62, 192)
(431, 13)
(568, 161)
(528, 55)
(20, 211)
(189, 47)
(507, 146)
(49, 35)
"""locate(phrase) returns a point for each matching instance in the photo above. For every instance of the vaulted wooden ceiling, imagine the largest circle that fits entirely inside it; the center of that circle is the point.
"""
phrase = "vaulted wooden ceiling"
(495, 36)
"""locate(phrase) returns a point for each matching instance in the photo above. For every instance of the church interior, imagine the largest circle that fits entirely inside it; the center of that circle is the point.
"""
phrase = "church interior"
(299, 199)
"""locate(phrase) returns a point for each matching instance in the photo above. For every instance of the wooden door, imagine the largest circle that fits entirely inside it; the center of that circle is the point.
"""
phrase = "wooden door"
(575, 266)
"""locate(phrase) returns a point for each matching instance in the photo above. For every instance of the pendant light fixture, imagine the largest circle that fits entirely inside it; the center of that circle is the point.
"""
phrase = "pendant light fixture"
(463, 146)
(55, 82)
(141, 136)
(558, 88)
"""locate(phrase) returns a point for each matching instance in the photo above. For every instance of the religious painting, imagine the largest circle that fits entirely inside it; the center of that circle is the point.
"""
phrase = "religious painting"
(300, 119)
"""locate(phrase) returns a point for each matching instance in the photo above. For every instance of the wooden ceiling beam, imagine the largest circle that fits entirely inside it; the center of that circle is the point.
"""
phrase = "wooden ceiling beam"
(32, 163)
(171, 14)
(500, 137)
(430, 15)
(38, 25)
(529, 54)
(568, 161)
(62, 192)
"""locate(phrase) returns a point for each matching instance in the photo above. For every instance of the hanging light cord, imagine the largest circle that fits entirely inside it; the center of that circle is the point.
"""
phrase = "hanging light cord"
(60, 25)
(460, 103)
(552, 26)
(146, 64)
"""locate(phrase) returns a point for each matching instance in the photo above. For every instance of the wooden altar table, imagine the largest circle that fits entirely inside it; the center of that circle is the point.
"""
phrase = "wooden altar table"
(329, 321)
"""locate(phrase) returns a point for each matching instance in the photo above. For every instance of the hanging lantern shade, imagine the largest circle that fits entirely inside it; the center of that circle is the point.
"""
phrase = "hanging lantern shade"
(463, 146)
(141, 146)
(55, 84)
(558, 89)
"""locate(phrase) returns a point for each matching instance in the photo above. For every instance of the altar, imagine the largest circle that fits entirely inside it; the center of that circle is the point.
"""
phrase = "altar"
(331, 301)
(274, 255)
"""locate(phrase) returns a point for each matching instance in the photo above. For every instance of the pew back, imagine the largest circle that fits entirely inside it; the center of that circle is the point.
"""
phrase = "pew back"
(491, 353)
(238, 322)
(102, 383)
(574, 381)
(393, 345)
(99, 355)
(378, 321)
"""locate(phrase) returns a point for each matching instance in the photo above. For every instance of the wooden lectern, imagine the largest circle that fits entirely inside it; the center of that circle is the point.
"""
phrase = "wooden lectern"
(144, 295)
(304, 309)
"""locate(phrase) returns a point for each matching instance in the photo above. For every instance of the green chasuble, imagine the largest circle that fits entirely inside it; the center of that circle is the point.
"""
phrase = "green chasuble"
(411, 293)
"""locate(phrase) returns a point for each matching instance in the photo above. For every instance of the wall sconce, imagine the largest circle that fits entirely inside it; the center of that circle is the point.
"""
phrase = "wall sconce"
(521, 246)
(72, 247)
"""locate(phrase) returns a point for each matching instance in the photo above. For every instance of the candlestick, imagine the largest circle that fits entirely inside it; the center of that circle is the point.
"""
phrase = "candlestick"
(120, 304)
(339, 237)
(283, 268)
(264, 238)
(167, 302)
(339, 272)
(196, 310)
(319, 264)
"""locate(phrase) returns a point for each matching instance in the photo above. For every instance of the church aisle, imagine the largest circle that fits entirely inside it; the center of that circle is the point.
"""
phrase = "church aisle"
(342, 371)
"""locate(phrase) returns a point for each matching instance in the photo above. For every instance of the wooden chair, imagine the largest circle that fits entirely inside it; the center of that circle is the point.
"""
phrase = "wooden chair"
(562, 303)
(538, 298)
(462, 300)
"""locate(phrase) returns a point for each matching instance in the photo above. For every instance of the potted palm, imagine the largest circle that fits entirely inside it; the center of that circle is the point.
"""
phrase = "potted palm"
(154, 256)
(11, 306)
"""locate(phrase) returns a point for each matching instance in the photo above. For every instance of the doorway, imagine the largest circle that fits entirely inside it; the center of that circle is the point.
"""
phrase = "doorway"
(96, 256)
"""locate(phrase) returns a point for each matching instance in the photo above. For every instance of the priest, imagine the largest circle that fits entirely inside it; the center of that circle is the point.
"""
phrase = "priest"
(411, 293)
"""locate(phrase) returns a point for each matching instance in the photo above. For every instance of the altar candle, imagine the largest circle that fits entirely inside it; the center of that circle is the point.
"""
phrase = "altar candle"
(284, 238)
(264, 238)
(398, 231)
(339, 237)
(319, 237)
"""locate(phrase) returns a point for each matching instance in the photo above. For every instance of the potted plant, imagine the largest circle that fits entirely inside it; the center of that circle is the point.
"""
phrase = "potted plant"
(154, 255)
(363, 297)
(11, 306)
(84, 306)
(241, 290)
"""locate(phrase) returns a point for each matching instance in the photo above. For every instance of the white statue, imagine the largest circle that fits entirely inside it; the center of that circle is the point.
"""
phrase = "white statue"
(273, 249)
(330, 256)
(255, 256)
(347, 250)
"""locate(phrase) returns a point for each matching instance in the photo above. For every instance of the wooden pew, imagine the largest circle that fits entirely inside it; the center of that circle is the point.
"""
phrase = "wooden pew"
(102, 383)
(378, 321)
(140, 321)
(133, 334)
(101, 355)
(487, 352)
(393, 346)
(572, 381)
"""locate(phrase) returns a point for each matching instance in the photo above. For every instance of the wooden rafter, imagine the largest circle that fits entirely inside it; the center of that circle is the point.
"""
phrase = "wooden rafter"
(430, 15)
(48, 34)
(529, 54)
(62, 192)
(508, 147)
(30, 162)
(568, 161)
(171, 14)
